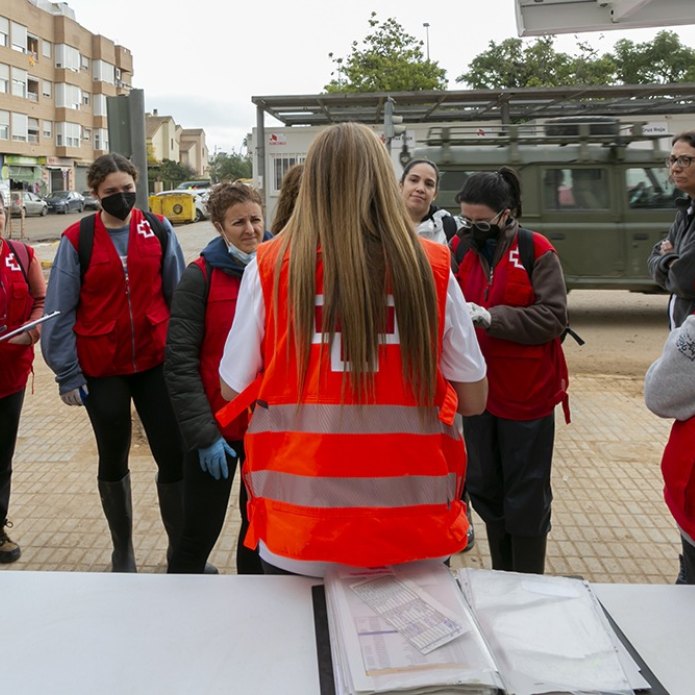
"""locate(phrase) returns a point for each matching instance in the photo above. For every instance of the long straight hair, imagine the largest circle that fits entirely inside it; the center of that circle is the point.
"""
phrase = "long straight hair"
(349, 211)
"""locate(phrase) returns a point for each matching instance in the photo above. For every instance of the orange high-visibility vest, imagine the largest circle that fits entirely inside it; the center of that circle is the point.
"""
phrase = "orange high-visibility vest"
(334, 480)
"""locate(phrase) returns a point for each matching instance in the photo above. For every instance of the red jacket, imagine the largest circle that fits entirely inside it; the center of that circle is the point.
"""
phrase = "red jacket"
(678, 469)
(121, 321)
(335, 479)
(223, 290)
(16, 304)
(525, 381)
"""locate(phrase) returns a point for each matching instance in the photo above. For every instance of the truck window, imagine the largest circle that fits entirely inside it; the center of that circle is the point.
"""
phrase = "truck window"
(649, 187)
(576, 189)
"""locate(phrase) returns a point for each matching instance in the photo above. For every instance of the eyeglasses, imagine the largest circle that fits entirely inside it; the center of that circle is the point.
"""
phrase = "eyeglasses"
(482, 225)
(683, 161)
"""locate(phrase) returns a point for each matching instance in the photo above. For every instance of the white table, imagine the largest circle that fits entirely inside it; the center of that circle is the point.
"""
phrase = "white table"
(659, 621)
(93, 633)
(97, 634)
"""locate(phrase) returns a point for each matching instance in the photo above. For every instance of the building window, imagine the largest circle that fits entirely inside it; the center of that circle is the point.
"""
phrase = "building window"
(4, 32)
(4, 125)
(68, 134)
(47, 89)
(33, 130)
(67, 57)
(33, 47)
(32, 89)
(46, 129)
(85, 98)
(102, 71)
(18, 34)
(87, 134)
(46, 49)
(99, 104)
(281, 163)
(4, 78)
(68, 96)
(101, 139)
(19, 82)
(20, 126)
(84, 62)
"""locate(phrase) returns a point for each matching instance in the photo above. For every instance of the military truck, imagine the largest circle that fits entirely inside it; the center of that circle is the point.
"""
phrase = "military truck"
(598, 188)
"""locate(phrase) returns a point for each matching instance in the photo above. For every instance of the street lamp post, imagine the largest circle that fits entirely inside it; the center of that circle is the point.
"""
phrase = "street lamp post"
(427, 38)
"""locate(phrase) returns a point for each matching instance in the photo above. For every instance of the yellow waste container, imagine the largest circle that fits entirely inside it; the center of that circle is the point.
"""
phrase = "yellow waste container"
(177, 207)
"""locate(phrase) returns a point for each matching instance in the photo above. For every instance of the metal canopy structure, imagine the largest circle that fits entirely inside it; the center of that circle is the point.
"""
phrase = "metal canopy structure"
(541, 17)
(505, 105)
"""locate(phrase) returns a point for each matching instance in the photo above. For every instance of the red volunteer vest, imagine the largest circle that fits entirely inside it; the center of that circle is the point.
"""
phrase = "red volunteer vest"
(223, 290)
(678, 469)
(15, 360)
(525, 381)
(334, 480)
(121, 322)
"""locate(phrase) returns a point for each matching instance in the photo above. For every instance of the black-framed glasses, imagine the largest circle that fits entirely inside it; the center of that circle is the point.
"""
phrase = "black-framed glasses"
(683, 160)
(482, 225)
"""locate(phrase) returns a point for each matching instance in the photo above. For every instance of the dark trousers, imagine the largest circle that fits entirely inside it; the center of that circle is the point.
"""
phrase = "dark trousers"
(10, 410)
(508, 475)
(205, 502)
(108, 407)
(687, 573)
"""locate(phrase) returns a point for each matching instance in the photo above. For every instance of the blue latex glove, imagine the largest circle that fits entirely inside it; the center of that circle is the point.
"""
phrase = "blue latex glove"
(213, 459)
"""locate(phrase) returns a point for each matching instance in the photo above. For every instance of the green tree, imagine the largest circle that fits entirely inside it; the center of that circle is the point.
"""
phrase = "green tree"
(513, 64)
(170, 173)
(229, 167)
(662, 61)
(389, 60)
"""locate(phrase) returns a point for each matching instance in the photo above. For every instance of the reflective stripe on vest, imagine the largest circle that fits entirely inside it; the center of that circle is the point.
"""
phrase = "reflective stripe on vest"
(348, 419)
(335, 492)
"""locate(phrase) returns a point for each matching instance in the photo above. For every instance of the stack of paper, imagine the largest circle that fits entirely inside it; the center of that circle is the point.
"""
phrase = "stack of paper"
(406, 630)
(415, 629)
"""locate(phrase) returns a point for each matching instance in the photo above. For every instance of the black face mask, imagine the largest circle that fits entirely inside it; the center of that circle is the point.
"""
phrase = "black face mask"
(480, 236)
(119, 205)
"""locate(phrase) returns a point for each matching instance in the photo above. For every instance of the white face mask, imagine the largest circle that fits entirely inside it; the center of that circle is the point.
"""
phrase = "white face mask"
(241, 256)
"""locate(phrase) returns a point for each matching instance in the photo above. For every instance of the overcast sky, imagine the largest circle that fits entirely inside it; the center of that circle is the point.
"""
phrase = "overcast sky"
(201, 61)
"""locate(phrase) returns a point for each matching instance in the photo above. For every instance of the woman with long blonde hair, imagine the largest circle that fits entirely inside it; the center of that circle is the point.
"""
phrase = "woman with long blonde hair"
(354, 341)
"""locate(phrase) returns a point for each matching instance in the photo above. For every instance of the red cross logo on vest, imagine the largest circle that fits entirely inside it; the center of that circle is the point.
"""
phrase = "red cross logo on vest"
(144, 229)
(338, 363)
(11, 262)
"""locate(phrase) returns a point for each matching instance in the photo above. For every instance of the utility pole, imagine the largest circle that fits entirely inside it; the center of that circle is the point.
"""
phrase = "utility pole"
(427, 38)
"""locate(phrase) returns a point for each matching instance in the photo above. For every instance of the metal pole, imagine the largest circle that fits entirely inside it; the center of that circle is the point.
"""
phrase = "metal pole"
(260, 154)
(427, 38)
(136, 102)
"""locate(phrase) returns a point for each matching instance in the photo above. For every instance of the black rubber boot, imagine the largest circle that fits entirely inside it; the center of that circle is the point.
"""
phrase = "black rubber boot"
(528, 554)
(117, 503)
(500, 543)
(170, 497)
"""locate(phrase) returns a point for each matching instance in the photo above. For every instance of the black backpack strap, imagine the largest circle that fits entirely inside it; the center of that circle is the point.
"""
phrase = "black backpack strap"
(21, 253)
(526, 252)
(449, 226)
(85, 243)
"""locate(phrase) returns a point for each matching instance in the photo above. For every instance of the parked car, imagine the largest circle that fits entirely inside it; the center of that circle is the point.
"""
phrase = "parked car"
(27, 202)
(201, 210)
(91, 202)
(65, 201)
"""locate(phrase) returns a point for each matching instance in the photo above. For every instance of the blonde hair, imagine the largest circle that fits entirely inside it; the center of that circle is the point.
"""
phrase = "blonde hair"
(289, 189)
(350, 208)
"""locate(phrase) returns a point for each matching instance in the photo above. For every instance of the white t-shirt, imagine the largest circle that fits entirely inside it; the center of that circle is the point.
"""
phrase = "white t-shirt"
(242, 360)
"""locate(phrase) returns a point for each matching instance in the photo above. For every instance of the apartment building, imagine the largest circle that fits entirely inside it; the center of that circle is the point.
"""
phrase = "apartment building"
(168, 140)
(54, 79)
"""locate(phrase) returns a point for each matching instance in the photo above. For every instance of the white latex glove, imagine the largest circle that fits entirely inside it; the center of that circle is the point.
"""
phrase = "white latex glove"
(480, 316)
(76, 396)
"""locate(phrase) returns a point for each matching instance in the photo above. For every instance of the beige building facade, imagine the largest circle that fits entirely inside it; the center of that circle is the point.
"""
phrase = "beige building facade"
(167, 140)
(55, 77)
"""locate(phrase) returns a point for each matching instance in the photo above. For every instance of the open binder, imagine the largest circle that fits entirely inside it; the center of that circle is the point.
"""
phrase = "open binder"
(500, 632)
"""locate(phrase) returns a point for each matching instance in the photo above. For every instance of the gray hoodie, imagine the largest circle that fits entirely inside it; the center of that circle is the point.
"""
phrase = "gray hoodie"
(669, 385)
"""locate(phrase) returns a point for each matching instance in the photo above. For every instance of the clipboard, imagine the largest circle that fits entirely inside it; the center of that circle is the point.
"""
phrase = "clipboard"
(28, 326)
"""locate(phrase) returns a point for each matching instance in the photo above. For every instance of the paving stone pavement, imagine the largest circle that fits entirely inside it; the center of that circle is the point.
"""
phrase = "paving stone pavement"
(610, 523)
